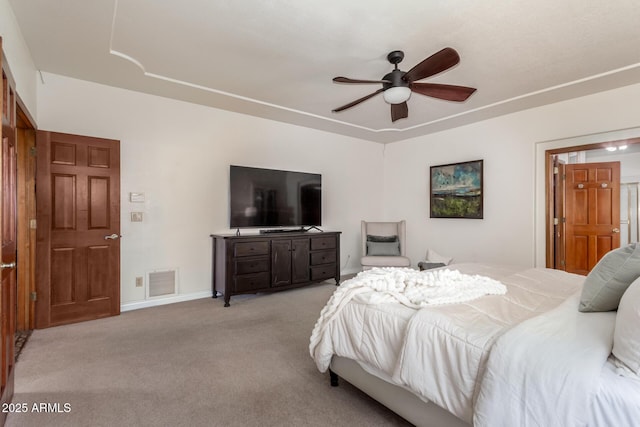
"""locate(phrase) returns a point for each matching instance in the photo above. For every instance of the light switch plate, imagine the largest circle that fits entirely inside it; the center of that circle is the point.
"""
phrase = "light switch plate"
(136, 197)
(136, 216)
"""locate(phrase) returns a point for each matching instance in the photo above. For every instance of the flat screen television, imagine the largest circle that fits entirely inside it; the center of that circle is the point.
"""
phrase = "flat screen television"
(274, 198)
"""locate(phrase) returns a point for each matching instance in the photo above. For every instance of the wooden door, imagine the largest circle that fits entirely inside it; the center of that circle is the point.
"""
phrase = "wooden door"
(8, 235)
(592, 209)
(78, 217)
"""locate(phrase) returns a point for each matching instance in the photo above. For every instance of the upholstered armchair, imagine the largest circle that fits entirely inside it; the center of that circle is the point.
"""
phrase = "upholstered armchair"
(383, 244)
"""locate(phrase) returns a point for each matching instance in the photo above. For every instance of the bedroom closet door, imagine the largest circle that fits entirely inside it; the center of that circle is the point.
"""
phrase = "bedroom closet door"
(592, 212)
(78, 216)
(8, 235)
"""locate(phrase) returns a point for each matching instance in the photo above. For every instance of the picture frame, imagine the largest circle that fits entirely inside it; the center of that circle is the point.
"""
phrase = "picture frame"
(456, 190)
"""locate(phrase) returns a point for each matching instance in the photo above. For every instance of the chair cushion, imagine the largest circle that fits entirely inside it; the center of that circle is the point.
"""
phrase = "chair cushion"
(375, 238)
(383, 248)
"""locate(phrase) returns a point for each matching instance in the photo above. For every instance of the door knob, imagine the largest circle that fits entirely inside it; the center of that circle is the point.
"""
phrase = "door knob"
(615, 230)
(10, 265)
(113, 236)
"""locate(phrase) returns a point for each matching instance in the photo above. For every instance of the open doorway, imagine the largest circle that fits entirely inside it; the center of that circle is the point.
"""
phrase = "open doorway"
(625, 228)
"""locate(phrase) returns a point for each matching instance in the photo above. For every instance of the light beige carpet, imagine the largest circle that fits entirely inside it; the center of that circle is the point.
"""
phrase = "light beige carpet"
(190, 364)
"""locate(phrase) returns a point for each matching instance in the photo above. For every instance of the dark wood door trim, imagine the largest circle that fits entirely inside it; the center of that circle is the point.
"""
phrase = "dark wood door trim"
(559, 214)
(26, 140)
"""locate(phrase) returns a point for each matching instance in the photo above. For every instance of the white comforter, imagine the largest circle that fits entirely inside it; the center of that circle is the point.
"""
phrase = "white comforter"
(438, 352)
(545, 371)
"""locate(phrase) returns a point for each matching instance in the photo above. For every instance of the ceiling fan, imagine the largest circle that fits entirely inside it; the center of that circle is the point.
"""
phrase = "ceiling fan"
(398, 85)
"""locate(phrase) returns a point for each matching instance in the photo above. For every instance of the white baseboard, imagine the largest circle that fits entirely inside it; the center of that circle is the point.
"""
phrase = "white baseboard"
(162, 301)
(188, 297)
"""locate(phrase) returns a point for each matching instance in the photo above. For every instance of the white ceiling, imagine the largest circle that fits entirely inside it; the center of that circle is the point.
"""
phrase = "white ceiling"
(276, 58)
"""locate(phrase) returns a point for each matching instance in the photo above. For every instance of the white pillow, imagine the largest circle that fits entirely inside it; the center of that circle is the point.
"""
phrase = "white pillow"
(432, 256)
(610, 278)
(626, 336)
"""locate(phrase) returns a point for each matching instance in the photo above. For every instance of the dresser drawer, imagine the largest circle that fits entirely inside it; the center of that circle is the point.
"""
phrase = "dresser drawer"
(251, 282)
(327, 271)
(251, 248)
(323, 243)
(252, 265)
(324, 257)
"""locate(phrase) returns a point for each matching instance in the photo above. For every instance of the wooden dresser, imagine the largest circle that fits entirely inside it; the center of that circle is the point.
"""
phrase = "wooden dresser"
(273, 262)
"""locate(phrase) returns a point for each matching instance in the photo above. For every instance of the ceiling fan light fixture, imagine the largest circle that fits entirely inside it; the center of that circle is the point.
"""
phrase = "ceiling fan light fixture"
(397, 85)
(397, 95)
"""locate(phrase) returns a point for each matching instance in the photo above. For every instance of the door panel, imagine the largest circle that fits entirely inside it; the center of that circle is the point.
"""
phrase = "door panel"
(592, 209)
(98, 283)
(281, 262)
(99, 202)
(64, 202)
(300, 261)
(78, 205)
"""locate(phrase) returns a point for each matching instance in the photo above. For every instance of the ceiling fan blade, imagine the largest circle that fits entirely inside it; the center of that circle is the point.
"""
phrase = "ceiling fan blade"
(357, 101)
(436, 63)
(348, 80)
(446, 92)
(399, 111)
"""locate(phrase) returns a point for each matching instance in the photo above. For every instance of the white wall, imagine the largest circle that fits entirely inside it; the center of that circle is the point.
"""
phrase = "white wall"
(19, 58)
(512, 230)
(508, 169)
(179, 154)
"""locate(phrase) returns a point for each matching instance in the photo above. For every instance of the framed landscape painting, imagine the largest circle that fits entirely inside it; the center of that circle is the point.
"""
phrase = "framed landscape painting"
(456, 190)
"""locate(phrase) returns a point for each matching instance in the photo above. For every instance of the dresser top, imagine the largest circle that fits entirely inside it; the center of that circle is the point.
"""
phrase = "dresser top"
(278, 235)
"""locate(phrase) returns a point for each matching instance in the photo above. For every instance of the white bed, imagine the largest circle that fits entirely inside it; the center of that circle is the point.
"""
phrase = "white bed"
(455, 364)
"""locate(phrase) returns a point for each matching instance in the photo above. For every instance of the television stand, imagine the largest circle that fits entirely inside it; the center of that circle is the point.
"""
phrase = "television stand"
(311, 227)
(283, 230)
(266, 263)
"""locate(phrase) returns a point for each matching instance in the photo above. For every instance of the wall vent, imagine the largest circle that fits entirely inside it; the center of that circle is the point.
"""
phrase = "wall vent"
(162, 283)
